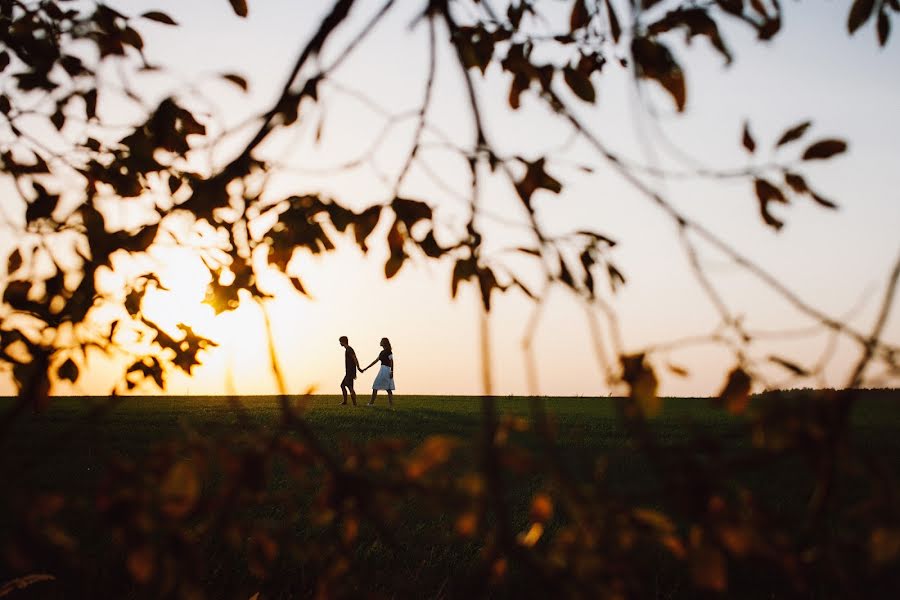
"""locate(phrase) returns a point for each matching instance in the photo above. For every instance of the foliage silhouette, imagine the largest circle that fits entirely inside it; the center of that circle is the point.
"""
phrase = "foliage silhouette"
(580, 538)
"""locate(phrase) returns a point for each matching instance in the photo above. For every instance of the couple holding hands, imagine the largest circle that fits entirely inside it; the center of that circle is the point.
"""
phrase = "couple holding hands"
(383, 381)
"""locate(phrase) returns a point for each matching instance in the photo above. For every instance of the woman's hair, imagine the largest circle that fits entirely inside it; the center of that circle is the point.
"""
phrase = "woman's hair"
(387, 344)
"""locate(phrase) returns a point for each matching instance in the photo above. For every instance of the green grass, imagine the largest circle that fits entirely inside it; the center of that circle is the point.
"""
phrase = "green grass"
(65, 450)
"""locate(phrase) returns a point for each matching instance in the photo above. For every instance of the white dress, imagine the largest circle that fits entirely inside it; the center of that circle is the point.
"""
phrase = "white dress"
(384, 381)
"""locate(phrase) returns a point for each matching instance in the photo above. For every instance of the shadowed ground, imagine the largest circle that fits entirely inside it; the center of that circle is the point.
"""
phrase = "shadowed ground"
(66, 449)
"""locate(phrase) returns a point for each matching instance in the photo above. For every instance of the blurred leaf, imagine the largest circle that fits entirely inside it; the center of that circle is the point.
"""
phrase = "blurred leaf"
(734, 7)
(766, 193)
(884, 545)
(823, 201)
(159, 17)
(13, 262)
(486, 283)
(796, 182)
(579, 16)
(678, 370)
(532, 536)
(794, 133)
(825, 149)
(236, 80)
(298, 285)
(42, 206)
(467, 524)
(462, 271)
(790, 366)
(696, 21)
(180, 489)
(397, 256)
(90, 103)
(642, 383)
(654, 519)
(616, 279)
(580, 84)
(541, 508)
(655, 61)
(519, 84)
(435, 450)
(859, 14)
(884, 27)
(68, 371)
(141, 564)
(364, 224)
(747, 139)
(735, 396)
(239, 7)
(536, 178)
(614, 28)
(20, 583)
(709, 570)
(411, 212)
(58, 119)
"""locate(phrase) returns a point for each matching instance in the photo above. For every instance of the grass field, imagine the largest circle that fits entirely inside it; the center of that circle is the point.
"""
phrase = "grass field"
(66, 451)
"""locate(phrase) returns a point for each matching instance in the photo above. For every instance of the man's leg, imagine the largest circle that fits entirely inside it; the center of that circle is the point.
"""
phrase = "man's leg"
(344, 392)
(352, 394)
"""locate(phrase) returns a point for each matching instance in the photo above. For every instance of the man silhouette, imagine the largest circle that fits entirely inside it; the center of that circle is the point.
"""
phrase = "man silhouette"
(351, 365)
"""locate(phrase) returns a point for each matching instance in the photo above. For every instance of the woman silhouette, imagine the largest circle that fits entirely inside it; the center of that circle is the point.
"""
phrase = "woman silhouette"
(385, 378)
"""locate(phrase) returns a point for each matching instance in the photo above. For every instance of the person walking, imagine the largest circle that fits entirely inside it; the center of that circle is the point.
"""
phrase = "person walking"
(351, 365)
(385, 378)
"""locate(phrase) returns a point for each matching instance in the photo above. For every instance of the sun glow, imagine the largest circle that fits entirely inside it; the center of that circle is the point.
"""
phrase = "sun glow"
(179, 300)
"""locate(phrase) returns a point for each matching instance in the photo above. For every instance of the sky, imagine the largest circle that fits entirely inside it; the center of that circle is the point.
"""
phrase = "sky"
(837, 261)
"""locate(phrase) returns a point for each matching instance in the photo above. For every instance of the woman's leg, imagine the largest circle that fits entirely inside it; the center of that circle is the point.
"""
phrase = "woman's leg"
(390, 398)
(372, 401)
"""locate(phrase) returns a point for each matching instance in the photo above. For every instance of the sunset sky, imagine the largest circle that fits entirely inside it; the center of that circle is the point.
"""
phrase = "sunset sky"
(838, 261)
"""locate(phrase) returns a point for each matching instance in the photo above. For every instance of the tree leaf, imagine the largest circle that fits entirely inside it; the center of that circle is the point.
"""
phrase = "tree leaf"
(709, 569)
(765, 193)
(614, 28)
(796, 183)
(884, 27)
(236, 80)
(823, 201)
(825, 149)
(859, 14)
(678, 370)
(793, 133)
(790, 366)
(747, 139)
(13, 262)
(68, 371)
(180, 489)
(580, 16)
(90, 103)
(541, 508)
(655, 61)
(735, 395)
(159, 17)
(642, 384)
(298, 285)
(239, 7)
(580, 84)
(616, 279)
(462, 271)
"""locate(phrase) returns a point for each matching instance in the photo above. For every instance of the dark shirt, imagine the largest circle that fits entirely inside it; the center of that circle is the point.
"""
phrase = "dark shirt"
(350, 361)
(384, 356)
